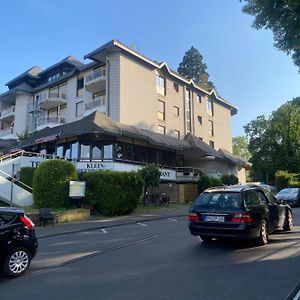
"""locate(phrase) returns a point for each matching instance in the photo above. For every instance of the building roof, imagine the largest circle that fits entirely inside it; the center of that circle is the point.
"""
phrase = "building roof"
(100, 53)
(8, 143)
(234, 159)
(98, 122)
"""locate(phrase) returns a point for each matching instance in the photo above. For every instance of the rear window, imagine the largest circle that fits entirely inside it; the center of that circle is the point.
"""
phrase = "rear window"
(6, 218)
(292, 191)
(226, 200)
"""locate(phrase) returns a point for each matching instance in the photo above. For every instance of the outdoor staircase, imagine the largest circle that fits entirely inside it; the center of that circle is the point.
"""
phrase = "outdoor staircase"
(12, 191)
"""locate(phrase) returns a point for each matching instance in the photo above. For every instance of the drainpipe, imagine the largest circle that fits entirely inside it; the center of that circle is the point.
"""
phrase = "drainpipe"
(107, 83)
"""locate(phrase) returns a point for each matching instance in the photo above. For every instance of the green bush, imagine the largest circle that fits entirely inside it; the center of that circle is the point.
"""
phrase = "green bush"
(51, 183)
(206, 182)
(113, 193)
(284, 179)
(229, 179)
(26, 175)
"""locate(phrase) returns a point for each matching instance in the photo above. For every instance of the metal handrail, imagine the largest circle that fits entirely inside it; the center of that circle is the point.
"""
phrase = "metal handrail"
(10, 178)
(10, 156)
(97, 74)
(7, 110)
(45, 97)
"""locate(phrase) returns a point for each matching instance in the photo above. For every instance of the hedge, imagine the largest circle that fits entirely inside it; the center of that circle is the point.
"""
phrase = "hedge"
(206, 182)
(229, 179)
(113, 193)
(284, 179)
(51, 183)
(26, 175)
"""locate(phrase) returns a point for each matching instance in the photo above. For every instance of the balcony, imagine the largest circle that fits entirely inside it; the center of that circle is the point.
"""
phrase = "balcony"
(99, 104)
(49, 122)
(52, 100)
(6, 133)
(96, 81)
(188, 174)
(8, 112)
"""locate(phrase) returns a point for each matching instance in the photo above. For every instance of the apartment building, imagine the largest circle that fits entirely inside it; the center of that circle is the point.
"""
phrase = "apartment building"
(130, 89)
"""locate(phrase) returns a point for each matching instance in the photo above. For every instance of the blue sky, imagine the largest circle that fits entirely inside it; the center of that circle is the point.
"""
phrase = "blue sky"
(242, 62)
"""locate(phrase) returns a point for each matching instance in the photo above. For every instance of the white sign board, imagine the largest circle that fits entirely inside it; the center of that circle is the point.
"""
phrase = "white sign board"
(77, 189)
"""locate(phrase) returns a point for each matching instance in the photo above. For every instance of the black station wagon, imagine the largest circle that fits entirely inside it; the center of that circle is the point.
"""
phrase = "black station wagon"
(241, 212)
(18, 242)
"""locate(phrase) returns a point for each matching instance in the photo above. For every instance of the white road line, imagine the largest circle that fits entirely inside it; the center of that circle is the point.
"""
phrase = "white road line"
(297, 297)
(171, 219)
(142, 224)
(104, 231)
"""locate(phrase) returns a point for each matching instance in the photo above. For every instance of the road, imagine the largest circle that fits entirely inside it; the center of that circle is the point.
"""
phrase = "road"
(158, 260)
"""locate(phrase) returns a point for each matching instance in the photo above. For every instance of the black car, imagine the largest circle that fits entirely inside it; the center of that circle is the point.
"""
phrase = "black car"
(242, 212)
(18, 242)
(290, 196)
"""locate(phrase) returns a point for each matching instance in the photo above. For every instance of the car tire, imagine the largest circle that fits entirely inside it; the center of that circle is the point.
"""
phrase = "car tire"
(206, 238)
(263, 233)
(16, 262)
(288, 224)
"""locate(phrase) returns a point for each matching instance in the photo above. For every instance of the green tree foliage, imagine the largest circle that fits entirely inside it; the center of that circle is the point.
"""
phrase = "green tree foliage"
(113, 193)
(193, 67)
(26, 175)
(229, 179)
(240, 147)
(51, 183)
(282, 17)
(151, 176)
(274, 142)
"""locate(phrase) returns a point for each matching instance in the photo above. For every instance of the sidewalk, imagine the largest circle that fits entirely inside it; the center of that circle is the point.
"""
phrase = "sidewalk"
(105, 222)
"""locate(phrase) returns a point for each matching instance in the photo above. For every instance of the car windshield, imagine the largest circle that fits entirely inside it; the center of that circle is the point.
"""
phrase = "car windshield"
(293, 191)
(221, 200)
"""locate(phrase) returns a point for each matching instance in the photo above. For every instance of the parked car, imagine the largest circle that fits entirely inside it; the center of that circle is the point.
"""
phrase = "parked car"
(290, 196)
(18, 242)
(241, 212)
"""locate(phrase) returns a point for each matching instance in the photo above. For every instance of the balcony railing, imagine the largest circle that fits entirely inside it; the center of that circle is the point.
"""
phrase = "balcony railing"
(51, 100)
(6, 131)
(97, 74)
(52, 96)
(98, 102)
(7, 111)
(50, 120)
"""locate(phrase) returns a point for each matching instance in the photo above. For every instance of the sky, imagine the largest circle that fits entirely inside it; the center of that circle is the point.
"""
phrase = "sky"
(241, 61)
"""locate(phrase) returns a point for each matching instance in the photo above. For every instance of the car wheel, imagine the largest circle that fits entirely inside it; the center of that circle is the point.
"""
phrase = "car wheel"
(17, 262)
(206, 238)
(288, 221)
(263, 233)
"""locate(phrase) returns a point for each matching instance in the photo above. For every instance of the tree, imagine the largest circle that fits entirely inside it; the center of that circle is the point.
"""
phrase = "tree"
(274, 142)
(282, 17)
(193, 67)
(240, 147)
(151, 176)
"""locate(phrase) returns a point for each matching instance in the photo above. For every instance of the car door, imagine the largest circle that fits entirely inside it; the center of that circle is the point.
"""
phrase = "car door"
(6, 231)
(277, 212)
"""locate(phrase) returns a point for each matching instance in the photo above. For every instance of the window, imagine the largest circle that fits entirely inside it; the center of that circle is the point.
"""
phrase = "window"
(85, 152)
(160, 85)
(210, 107)
(177, 133)
(188, 110)
(96, 153)
(176, 110)
(60, 151)
(79, 109)
(211, 128)
(252, 198)
(80, 86)
(161, 110)
(199, 98)
(176, 87)
(199, 119)
(107, 152)
(212, 144)
(74, 150)
(161, 129)
(119, 151)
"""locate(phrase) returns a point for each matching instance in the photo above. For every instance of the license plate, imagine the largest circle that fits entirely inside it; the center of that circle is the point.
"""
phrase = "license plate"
(214, 218)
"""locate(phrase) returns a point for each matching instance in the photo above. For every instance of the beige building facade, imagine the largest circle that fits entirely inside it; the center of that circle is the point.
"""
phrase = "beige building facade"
(130, 89)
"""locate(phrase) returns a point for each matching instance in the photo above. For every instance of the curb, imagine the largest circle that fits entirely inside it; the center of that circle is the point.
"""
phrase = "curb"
(108, 226)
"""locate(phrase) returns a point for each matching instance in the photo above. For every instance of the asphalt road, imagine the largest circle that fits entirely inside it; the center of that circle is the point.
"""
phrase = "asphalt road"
(158, 260)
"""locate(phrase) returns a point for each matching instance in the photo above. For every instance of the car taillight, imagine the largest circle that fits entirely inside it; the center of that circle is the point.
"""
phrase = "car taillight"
(193, 217)
(27, 222)
(241, 218)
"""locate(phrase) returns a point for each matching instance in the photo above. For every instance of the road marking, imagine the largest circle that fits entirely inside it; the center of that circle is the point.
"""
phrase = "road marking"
(171, 219)
(103, 230)
(142, 224)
